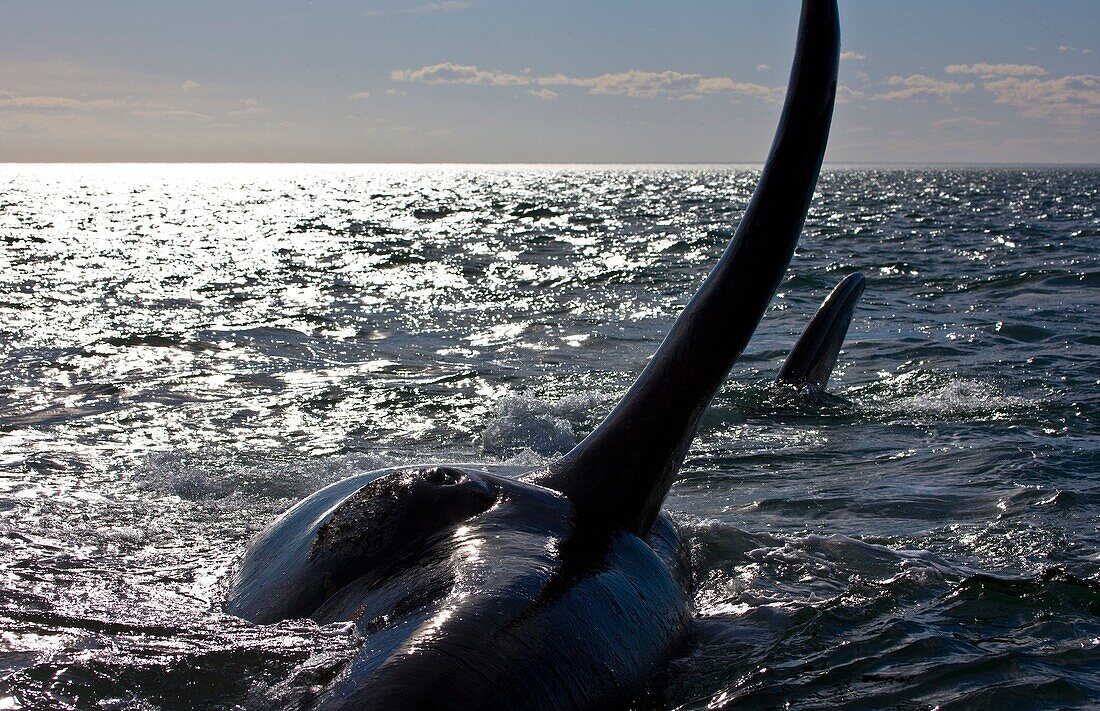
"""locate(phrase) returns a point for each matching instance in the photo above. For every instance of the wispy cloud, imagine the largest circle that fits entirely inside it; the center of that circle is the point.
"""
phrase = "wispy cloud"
(1071, 100)
(634, 83)
(997, 70)
(48, 103)
(359, 95)
(249, 107)
(961, 124)
(1067, 48)
(174, 114)
(448, 73)
(920, 86)
(544, 94)
(446, 5)
(137, 107)
(845, 94)
(852, 56)
(67, 110)
(443, 6)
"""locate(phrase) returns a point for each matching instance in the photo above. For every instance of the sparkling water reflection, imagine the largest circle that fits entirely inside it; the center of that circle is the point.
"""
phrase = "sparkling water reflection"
(189, 349)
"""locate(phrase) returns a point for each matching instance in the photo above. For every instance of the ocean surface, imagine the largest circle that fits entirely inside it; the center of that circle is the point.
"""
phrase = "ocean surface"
(188, 350)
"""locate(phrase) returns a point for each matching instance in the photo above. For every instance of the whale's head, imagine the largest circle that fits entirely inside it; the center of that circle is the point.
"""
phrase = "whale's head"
(460, 581)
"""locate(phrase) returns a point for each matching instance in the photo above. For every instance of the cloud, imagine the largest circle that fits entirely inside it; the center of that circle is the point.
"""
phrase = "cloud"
(854, 56)
(961, 123)
(250, 107)
(395, 92)
(544, 94)
(763, 67)
(110, 110)
(1067, 48)
(65, 111)
(1071, 100)
(844, 94)
(109, 101)
(633, 83)
(449, 73)
(919, 86)
(250, 111)
(442, 6)
(175, 114)
(648, 85)
(997, 70)
(359, 95)
(11, 101)
(445, 6)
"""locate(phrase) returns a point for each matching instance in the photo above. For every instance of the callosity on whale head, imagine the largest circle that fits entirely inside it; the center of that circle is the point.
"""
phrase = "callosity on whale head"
(355, 527)
(813, 357)
(566, 588)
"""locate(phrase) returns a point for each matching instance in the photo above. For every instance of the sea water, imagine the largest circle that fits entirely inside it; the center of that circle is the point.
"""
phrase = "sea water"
(188, 350)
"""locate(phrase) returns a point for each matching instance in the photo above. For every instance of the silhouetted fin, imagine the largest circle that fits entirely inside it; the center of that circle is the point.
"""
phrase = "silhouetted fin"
(813, 357)
(619, 475)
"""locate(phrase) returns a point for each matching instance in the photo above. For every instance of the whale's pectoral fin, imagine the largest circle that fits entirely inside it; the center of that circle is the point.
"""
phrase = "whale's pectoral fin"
(337, 536)
(619, 475)
(813, 357)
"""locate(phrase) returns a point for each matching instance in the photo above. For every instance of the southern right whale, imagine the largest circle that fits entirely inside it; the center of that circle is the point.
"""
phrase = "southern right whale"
(813, 357)
(566, 588)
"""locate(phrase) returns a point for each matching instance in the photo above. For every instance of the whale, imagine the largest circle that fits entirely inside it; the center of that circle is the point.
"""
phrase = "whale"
(565, 587)
(812, 359)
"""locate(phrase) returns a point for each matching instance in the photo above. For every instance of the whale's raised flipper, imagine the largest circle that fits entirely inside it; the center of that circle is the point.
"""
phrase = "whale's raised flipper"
(619, 474)
(813, 357)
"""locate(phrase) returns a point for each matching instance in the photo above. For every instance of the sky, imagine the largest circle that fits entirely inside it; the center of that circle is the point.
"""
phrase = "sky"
(489, 81)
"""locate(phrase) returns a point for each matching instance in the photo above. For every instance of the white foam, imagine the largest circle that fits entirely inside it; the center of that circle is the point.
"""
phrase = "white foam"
(932, 393)
(528, 424)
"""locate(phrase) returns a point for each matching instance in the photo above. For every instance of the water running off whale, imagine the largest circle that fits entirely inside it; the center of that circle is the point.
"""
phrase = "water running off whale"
(566, 588)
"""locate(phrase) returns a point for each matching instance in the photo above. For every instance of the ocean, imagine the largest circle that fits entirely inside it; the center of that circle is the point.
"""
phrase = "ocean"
(187, 350)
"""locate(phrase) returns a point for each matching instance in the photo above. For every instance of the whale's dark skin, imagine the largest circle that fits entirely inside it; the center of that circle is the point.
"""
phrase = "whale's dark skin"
(813, 357)
(566, 588)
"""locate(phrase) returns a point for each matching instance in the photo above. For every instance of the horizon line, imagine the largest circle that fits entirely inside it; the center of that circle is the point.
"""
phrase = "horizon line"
(826, 164)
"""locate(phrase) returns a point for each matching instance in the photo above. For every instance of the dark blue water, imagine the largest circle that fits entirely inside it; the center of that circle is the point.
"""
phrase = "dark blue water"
(186, 351)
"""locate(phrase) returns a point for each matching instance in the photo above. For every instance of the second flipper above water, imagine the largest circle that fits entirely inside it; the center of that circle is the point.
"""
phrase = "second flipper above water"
(813, 357)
